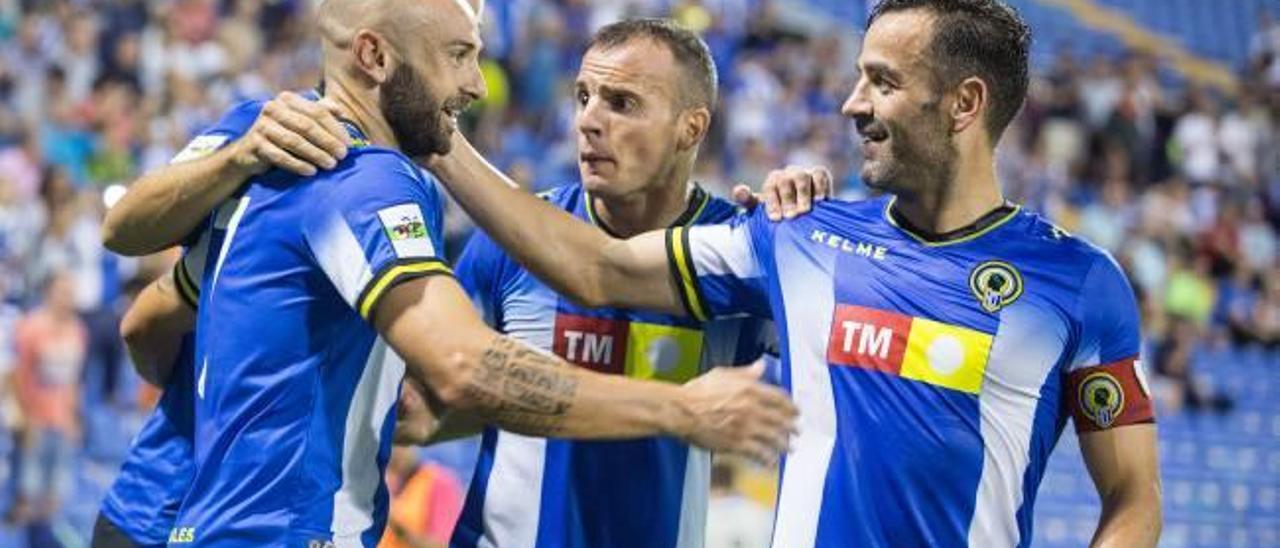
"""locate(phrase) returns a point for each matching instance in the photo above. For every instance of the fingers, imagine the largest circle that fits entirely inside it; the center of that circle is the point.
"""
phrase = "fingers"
(323, 128)
(786, 184)
(411, 433)
(331, 107)
(822, 180)
(268, 152)
(772, 397)
(790, 192)
(804, 183)
(772, 199)
(299, 135)
(753, 371)
(759, 452)
(743, 196)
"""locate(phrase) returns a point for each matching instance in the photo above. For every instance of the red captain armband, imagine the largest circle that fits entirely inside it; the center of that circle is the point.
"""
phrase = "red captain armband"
(1109, 395)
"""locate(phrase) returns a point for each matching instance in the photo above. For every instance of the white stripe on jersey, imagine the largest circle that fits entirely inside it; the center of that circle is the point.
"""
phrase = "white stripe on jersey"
(1022, 356)
(232, 224)
(808, 311)
(693, 499)
(342, 258)
(722, 249)
(511, 509)
(374, 397)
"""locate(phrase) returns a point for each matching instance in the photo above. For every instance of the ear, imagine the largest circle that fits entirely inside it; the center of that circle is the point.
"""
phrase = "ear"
(693, 125)
(372, 56)
(972, 100)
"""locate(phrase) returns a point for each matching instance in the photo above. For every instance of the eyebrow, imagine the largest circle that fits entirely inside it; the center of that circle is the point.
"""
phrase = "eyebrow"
(608, 89)
(877, 67)
(465, 44)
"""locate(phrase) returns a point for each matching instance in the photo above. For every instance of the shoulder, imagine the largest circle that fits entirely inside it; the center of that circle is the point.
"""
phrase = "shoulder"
(240, 117)
(717, 210)
(1066, 250)
(372, 170)
(871, 210)
(566, 196)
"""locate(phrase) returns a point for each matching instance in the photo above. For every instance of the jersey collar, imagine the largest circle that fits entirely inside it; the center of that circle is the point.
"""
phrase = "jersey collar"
(356, 137)
(986, 223)
(698, 200)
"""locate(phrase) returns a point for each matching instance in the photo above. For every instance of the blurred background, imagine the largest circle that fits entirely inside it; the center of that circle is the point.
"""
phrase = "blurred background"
(1152, 129)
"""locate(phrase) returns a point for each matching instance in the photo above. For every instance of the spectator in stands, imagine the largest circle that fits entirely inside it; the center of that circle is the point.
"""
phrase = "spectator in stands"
(1266, 314)
(1264, 48)
(733, 519)
(1195, 140)
(50, 345)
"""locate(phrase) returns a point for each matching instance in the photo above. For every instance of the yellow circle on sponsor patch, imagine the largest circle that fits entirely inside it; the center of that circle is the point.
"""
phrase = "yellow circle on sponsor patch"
(1101, 398)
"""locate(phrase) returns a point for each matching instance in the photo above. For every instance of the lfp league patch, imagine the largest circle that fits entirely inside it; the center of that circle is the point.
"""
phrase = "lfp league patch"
(407, 230)
(200, 147)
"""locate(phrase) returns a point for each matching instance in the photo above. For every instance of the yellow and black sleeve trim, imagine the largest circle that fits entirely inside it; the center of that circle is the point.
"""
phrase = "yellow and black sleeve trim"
(680, 261)
(394, 274)
(188, 291)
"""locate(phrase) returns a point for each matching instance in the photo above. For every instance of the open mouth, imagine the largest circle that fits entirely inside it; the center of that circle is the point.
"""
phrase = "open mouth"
(874, 135)
(451, 114)
(872, 132)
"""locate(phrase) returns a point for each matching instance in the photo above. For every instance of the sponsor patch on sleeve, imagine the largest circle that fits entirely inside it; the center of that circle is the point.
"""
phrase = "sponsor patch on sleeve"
(200, 147)
(407, 230)
(1109, 395)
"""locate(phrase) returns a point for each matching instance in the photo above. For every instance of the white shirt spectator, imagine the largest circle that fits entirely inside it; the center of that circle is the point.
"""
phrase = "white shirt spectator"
(735, 521)
(1196, 139)
(1240, 138)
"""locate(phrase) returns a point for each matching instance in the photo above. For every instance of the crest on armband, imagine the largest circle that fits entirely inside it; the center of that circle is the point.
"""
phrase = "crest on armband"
(1101, 399)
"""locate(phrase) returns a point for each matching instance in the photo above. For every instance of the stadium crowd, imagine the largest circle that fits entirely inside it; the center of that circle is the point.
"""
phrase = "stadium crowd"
(1182, 184)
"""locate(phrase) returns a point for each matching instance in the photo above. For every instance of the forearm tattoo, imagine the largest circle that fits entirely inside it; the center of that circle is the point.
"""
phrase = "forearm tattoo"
(523, 390)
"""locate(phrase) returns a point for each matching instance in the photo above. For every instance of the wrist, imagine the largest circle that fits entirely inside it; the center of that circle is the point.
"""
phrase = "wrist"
(237, 164)
(677, 417)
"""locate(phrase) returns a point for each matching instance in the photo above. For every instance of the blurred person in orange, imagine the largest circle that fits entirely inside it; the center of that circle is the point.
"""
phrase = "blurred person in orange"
(50, 342)
(426, 499)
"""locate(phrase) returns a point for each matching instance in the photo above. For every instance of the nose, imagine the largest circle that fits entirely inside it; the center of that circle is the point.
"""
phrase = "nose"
(589, 120)
(474, 87)
(857, 105)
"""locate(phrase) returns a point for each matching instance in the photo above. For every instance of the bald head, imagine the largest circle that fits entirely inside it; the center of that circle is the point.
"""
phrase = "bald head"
(340, 20)
(411, 65)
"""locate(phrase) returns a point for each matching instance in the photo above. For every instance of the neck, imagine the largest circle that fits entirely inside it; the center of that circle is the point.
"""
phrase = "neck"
(360, 107)
(653, 208)
(961, 198)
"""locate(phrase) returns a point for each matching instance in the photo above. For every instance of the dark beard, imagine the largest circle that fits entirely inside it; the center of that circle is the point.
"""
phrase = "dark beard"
(414, 116)
(920, 162)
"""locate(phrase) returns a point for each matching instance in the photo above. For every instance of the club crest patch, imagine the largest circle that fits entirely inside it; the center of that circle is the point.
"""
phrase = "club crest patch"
(1101, 399)
(996, 284)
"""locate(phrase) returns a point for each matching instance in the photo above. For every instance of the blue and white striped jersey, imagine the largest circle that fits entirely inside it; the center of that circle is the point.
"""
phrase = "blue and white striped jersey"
(296, 392)
(646, 493)
(145, 497)
(933, 379)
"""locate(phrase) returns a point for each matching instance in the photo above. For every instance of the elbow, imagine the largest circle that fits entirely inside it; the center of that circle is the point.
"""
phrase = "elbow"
(454, 384)
(588, 298)
(113, 238)
(110, 235)
(133, 330)
(135, 334)
(589, 289)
